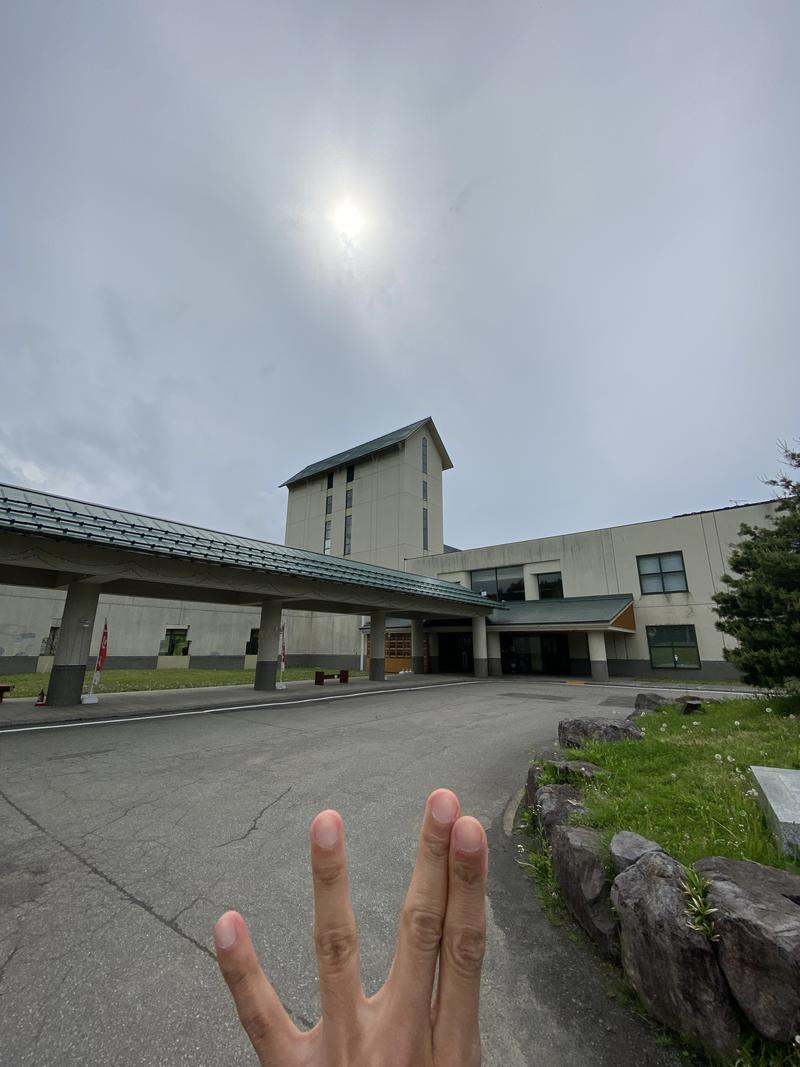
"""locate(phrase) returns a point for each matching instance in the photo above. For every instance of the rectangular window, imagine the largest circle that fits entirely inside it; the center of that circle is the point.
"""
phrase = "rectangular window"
(326, 545)
(328, 504)
(348, 498)
(351, 472)
(348, 534)
(251, 648)
(175, 642)
(424, 489)
(424, 455)
(673, 647)
(49, 643)
(550, 586)
(662, 573)
(500, 583)
(424, 529)
(330, 479)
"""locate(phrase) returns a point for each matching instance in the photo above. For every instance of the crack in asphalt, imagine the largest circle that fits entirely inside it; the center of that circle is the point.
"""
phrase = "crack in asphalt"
(254, 823)
(6, 962)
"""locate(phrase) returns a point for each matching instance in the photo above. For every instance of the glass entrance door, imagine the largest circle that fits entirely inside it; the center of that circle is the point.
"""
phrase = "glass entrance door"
(534, 653)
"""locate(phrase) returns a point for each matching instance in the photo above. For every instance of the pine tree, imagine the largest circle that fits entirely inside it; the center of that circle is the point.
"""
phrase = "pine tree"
(761, 606)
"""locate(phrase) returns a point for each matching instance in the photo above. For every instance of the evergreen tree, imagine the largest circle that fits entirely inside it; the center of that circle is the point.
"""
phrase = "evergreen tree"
(761, 606)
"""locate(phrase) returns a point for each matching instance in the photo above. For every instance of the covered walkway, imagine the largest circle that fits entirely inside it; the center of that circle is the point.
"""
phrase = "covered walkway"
(52, 542)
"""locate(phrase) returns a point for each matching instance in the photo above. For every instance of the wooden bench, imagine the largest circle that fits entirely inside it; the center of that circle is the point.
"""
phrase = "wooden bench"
(4, 689)
(320, 677)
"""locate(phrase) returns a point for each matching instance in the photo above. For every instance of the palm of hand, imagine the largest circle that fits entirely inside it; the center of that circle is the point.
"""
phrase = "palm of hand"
(442, 922)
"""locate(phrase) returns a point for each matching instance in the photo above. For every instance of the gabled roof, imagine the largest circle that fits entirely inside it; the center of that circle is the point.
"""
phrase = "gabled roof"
(28, 511)
(371, 448)
(569, 611)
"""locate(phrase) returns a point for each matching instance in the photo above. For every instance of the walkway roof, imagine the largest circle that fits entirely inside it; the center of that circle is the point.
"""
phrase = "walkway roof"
(371, 448)
(590, 611)
(49, 519)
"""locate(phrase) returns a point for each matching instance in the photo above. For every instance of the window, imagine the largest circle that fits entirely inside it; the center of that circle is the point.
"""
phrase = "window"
(328, 504)
(550, 586)
(49, 643)
(424, 455)
(176, 641)
(351, 472)
(662, 573)
(424, 529)
(348, 498)
(348, 534)
(326, 545)
(673, 647)
(500, 583)
(330, 479)
(251, 648)
(424, 489)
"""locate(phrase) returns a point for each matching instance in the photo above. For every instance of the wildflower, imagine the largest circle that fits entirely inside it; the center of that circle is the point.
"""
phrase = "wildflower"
(695, 722)
(718, 757)
(736, 722)
(643, 730)
(663, 727)
(684, 727)
(769, 711)
(751, 793)
(673, 776)
(729, 759)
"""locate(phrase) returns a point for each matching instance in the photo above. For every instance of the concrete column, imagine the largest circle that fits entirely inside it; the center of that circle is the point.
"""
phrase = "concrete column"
(493, 646)
(417, 647)
(377, 642)
(269, 634)
(597, 655)
(433, 653)
(480, 654)
(74, 645)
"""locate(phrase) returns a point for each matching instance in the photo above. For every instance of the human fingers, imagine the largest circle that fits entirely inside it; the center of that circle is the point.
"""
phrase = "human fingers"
(422, 917)
(271, 1031)
(335, 935)
(463, 943)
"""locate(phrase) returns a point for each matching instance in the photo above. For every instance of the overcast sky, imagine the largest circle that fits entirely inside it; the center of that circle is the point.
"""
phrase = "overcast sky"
(580, 251)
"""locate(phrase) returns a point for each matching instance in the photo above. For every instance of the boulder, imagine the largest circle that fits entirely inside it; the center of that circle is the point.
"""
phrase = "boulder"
(647, 702)
(586, 770)
(532, 783)
(555, 804)
(673, 968)
(573, 732)
(578, 865)
(691, 707)
(627, 848)
(758, 922)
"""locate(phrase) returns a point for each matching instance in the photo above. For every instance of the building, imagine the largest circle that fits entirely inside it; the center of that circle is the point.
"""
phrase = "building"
(631, 600)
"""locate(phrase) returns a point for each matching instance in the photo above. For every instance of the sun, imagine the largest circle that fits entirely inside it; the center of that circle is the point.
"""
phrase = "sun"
(348, 220)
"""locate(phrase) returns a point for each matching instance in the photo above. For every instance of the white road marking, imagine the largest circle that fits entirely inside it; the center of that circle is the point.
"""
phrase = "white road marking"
(235, 707)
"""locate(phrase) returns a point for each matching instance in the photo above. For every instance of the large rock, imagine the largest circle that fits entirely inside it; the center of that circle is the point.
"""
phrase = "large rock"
(627, 848)
(758, 922)
(532, 783)
(579, 767)
(647, 702)
(555, 804)
(673, 968)
(578, 865)
(573, 732)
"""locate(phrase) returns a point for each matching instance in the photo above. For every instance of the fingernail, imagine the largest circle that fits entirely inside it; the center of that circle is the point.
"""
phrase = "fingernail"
(326, 830)
(468, 835)
(444, 807)
(225, 931)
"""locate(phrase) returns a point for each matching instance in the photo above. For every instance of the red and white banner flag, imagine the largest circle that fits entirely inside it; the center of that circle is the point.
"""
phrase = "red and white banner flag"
(101, 655)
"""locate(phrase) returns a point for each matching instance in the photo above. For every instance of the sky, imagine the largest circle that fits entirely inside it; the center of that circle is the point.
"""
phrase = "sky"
(579, 252)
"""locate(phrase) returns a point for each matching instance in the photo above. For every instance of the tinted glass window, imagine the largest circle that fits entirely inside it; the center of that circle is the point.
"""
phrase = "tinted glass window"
(330, 479)
(424, 489)
(328, 505)
(348, 498)
(348, 534)
(424, 455)
(326, 544)
(673, 647)
(663, 572)
(550, 586)
(485, 582)
(510, 584)
(425, 528)
(351, 472)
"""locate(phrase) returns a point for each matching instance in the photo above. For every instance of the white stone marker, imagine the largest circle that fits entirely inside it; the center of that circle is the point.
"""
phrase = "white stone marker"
(780, 799)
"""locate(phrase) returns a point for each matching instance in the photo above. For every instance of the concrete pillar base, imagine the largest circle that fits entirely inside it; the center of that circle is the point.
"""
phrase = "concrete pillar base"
(266, 673)
(417, 664)
(599, 670)
(65, 686)
(495, 668)
(481, 668)
(377, 669)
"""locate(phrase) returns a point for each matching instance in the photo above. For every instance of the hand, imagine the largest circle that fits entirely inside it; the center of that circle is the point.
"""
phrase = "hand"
(442, 920)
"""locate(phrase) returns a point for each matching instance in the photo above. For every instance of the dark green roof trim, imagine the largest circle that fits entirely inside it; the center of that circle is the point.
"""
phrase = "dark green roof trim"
(28, 511)
(370, 448)
(571, 610)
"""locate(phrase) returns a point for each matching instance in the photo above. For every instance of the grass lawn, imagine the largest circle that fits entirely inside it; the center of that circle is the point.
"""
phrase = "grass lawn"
(28, 685)
(686, 784)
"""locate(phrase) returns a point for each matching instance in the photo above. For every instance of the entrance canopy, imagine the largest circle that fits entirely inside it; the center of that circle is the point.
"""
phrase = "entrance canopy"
(53, 542)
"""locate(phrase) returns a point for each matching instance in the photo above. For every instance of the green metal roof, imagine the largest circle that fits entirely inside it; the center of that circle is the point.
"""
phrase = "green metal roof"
(379, 444)
(27, 511)
(569, 611)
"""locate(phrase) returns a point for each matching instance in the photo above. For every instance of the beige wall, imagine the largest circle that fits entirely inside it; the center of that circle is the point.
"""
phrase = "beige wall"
(604, 561)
